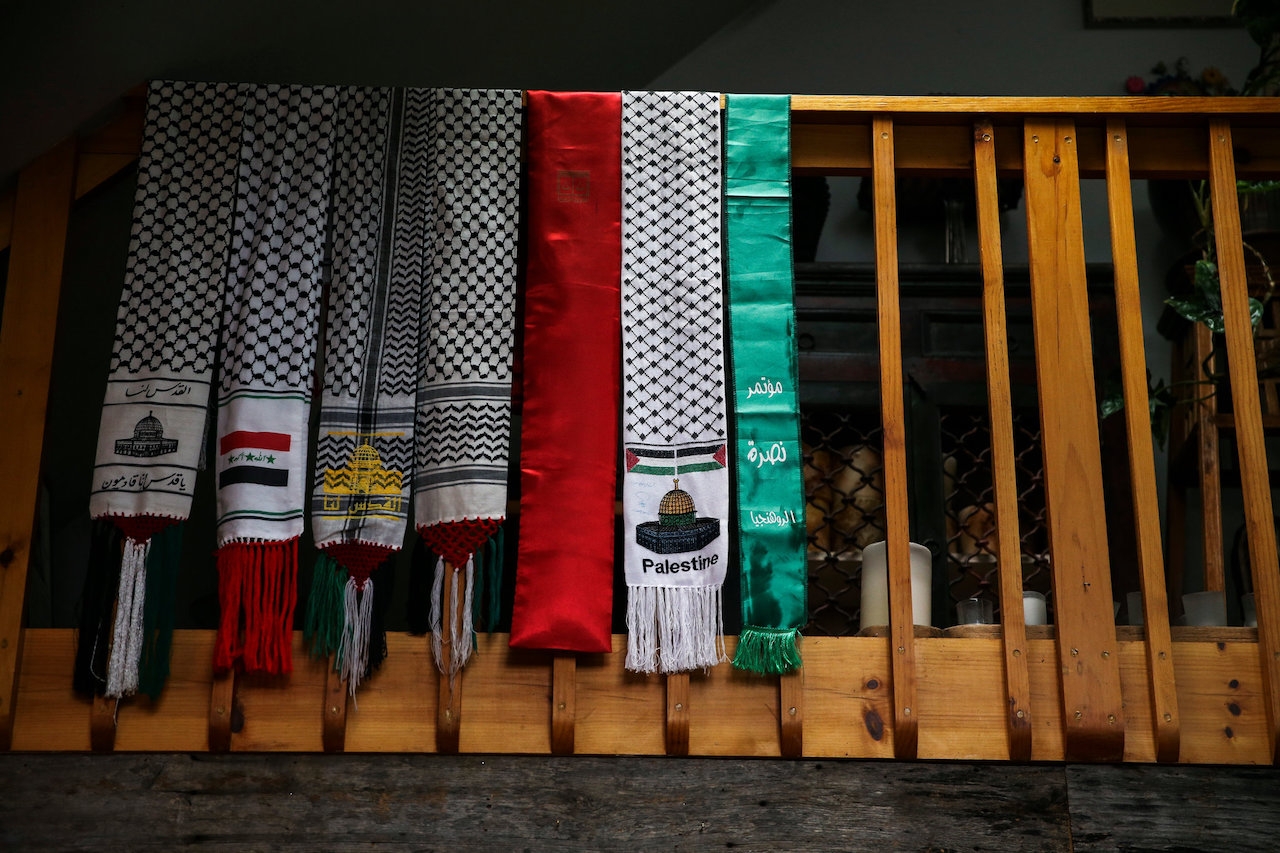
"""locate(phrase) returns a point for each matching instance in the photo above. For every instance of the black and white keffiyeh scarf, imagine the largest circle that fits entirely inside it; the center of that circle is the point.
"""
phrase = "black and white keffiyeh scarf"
(364, 455)
(268, 339)
(150, 442)
(468, 319)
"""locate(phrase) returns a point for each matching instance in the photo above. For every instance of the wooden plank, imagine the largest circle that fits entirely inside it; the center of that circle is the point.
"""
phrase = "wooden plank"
(449, 701)
(619, 712)
(1142, 471)
(1092, 708)
(279, 714)
(847, 702)
(395, 708)
(1172, 808)
(810, 108)
(564, 703)
(1003, 459)
(39, 236)
(496, 803)
(1250, 443)
(677, 724)
(513, 686)
(791, 714)
(894, 431)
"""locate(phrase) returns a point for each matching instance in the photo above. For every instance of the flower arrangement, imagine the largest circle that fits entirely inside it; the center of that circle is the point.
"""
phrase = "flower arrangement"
(1179, 81)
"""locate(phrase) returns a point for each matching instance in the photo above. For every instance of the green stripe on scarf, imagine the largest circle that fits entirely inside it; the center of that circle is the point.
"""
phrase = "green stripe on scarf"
(762, 319)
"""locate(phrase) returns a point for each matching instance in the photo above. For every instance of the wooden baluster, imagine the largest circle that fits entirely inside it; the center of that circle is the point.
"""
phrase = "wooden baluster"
(677, 731)
(1254, 477)
(333, 732)
(1003, 471)
(791, 714)
(102, 724)
(41, 209)
(894, 426)
(1208, 462)
(564, 692)
(1093, 716)
(222, 708)
(449, 706)
(1142, 470)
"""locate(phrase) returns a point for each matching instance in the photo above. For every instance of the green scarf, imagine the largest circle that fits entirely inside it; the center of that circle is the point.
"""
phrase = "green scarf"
(762, 316)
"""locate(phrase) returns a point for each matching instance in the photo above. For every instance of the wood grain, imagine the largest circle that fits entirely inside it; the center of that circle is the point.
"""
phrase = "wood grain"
(499, 803)
(1142, 471)
(677, 724)
(1003, 461)
(333, 711)
(41, 210)
(449, 688)
(1250, 442)
(791, 714)
(1092, 710)
(893, 421)
(564, 703)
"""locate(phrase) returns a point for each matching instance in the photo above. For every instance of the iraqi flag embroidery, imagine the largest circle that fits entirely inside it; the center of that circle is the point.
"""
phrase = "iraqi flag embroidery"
(260, 458)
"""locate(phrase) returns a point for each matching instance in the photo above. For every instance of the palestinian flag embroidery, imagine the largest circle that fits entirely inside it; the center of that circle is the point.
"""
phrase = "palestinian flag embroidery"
(675, 492)
(269, 334)
(463, 422)
(364, 456)
(154, 415)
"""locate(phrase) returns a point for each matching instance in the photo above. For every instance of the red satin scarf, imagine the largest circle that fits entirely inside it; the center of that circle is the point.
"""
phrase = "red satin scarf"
(572, 345)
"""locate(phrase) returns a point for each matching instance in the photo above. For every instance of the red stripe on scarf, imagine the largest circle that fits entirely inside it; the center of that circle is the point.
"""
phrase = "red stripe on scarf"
(572, 345)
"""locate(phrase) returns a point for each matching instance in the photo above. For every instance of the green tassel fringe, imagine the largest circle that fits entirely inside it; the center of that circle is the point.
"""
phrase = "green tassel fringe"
(768, 651)
(163, 560)
(323, 631)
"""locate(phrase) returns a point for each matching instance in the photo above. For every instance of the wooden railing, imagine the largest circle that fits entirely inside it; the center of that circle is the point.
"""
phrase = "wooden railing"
(1080, 690)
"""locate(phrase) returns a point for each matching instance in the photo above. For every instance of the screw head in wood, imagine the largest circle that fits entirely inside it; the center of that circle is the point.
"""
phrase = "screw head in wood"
(1075, 652)
(1168, 718)
(1021, 714)
(791, 711)
(679, 706)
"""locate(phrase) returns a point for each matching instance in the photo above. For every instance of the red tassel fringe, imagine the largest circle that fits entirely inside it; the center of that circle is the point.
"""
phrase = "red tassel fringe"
(458, 540)
(260, 579)
(359, 558)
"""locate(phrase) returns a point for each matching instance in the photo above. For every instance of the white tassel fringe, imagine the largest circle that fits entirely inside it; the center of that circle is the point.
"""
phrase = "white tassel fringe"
(127, 634)
(461, 633)
(357, 625)
(674, 629)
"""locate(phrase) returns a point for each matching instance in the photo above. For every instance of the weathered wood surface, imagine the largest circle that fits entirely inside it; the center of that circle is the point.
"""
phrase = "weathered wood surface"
(351, 802)
(1183, 809)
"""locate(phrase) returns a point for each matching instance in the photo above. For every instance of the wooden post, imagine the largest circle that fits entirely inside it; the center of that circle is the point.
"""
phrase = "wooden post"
(333, 733)
(791, 714)
(1003, 464)
(449, 706)
(102, 724)
(564, 692)
(41, 209)
(222, 707)
(1093, 716)
(677, 732)
(1142, 472)
(1254, 477)
(894, 426)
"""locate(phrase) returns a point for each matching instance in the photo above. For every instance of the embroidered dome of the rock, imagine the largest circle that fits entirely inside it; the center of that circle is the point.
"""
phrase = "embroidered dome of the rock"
(676, 509)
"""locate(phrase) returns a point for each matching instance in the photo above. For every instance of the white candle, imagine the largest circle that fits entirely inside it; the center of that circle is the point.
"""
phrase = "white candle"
(875, 585)
(1034, 609)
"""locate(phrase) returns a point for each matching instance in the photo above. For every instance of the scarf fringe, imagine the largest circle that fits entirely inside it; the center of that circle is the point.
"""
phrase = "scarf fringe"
(163, 562)
(674, 629)
(97, 599)
(127, 637)
(324, 625)
(259, 578)
(357, 626)
(768, 651)
(462, 639)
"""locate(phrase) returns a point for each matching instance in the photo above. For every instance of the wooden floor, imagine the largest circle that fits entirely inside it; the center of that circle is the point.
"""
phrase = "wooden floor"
(504, 803)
